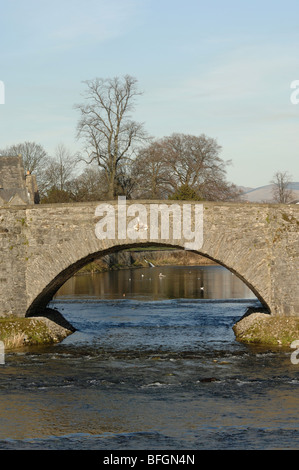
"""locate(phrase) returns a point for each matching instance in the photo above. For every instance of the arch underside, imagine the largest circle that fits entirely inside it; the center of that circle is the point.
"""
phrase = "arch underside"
(42, 300)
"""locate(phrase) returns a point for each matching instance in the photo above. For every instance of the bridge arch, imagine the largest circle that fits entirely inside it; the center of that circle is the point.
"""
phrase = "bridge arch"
(44, 245)
(43, 298)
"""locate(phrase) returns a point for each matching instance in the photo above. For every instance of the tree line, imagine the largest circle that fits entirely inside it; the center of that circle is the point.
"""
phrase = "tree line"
(120, 158)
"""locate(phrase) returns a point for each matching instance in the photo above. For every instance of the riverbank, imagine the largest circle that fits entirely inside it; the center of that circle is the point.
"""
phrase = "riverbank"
(142, 258)
(49, 328)
(261, 328)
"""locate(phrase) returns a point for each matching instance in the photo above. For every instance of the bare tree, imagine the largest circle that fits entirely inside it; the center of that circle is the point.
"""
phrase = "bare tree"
(89, 185)
(64, 165)
(282, 192)
(58, 172)
(105, 125)
(35, 157)
(125, 181)
(184, 161)
(191, 159)
(150, 173)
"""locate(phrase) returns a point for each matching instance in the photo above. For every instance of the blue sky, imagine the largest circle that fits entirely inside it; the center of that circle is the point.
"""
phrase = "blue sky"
(222, 68)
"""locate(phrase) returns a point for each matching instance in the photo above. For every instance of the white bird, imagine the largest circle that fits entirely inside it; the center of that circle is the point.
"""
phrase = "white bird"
(161, 275)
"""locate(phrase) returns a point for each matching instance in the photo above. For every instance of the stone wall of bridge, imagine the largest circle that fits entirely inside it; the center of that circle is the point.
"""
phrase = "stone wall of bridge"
(44, 245)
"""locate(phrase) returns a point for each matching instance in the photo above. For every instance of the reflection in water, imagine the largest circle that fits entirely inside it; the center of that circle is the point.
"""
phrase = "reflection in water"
(192, 282)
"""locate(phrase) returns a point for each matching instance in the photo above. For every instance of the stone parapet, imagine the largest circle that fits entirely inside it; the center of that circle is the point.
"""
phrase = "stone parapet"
(44, 245)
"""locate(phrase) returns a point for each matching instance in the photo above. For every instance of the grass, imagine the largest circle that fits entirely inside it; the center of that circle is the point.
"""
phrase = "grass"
(15, 341)
(20, 332)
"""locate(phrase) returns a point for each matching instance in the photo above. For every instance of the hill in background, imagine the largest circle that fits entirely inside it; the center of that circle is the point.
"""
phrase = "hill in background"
(264, 193)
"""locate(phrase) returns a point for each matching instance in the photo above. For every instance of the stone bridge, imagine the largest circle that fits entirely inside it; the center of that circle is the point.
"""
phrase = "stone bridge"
(42, 246)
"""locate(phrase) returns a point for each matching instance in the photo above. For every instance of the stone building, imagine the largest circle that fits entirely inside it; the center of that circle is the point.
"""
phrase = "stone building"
(16, 187)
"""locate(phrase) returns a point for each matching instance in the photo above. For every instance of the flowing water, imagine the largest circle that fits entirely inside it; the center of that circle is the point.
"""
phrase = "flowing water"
(154, 364)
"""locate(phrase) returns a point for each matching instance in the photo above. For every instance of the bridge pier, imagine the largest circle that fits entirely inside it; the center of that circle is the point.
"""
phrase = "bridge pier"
(13, 243)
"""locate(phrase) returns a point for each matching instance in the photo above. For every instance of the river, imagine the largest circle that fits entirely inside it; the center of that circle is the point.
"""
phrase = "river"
(154, 364)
